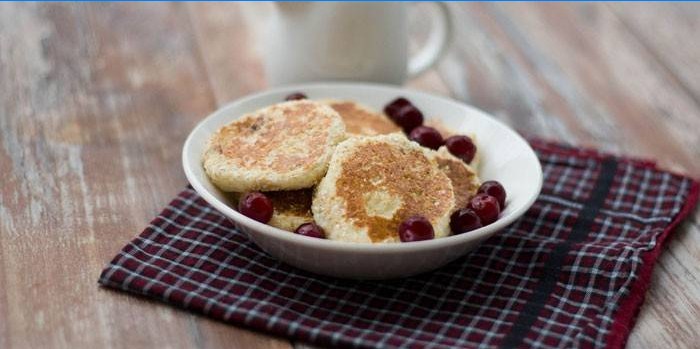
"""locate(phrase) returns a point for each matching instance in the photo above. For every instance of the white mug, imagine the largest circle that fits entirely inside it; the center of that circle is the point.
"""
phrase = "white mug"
(348, 41)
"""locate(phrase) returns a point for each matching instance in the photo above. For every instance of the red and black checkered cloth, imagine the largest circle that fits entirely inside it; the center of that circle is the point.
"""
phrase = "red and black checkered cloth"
(571, 273)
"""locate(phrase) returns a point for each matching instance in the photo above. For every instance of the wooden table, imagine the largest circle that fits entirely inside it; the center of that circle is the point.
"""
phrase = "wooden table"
(96, 101)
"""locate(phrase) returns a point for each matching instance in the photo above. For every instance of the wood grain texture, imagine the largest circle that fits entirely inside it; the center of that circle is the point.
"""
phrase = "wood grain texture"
(564, 82)
(670, 34)
(96, 100)
(652, 115)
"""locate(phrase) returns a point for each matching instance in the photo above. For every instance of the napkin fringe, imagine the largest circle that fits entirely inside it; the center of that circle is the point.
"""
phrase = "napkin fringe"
(627, 313)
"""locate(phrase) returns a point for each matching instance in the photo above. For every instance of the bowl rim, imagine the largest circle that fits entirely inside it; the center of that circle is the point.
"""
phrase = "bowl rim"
(325, 244)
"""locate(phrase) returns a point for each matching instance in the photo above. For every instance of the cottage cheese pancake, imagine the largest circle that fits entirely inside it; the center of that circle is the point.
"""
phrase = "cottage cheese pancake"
(282, 147)
(292, 208)
(375, 183)
(360, 120)
(465, 181)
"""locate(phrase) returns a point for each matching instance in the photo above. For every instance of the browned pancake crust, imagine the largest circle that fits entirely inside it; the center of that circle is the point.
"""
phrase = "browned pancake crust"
(464, 182)
(360, 121)
(403, 173)
(292, 202)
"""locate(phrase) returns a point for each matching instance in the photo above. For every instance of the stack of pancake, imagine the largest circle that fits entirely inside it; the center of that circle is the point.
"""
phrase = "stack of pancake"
(339, 164)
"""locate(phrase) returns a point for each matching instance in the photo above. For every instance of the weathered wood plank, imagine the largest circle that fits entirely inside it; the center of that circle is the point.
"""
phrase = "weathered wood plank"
(486, 70)
(228, 46)
(585, 48)
(670, 33)
(509, 74)
(95, 100)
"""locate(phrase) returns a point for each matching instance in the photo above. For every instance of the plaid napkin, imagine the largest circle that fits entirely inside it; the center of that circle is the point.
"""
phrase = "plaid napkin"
(572, 272)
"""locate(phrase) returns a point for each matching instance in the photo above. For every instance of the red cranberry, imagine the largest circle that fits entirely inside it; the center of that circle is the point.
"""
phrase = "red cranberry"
(393, 107)
(295, 96)
(257, 206)
(462, 147)
(311, 230)
(408, 118)
(486, 207)
(416, 228)
(464, 220)
(427, 137)
(496, 190)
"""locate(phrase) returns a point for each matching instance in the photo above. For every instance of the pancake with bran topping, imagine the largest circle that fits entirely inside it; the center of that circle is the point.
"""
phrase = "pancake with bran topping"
(285, 146)
(376, 182)
(292, 208)
(465, 181)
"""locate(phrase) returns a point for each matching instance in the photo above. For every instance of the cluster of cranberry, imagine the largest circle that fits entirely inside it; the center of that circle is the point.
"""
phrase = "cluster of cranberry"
(482, 209)
(410, 119)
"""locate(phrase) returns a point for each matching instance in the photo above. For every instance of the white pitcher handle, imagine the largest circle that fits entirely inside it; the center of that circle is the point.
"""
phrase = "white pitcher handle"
(437, 44)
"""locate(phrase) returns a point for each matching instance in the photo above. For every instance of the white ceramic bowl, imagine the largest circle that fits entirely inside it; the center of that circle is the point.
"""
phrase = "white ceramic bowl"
(505, 157)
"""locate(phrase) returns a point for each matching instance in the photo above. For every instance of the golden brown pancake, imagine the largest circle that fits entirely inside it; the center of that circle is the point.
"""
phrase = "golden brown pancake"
(292, 208)
(374, 183)
(285, 146)
(465, 181)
